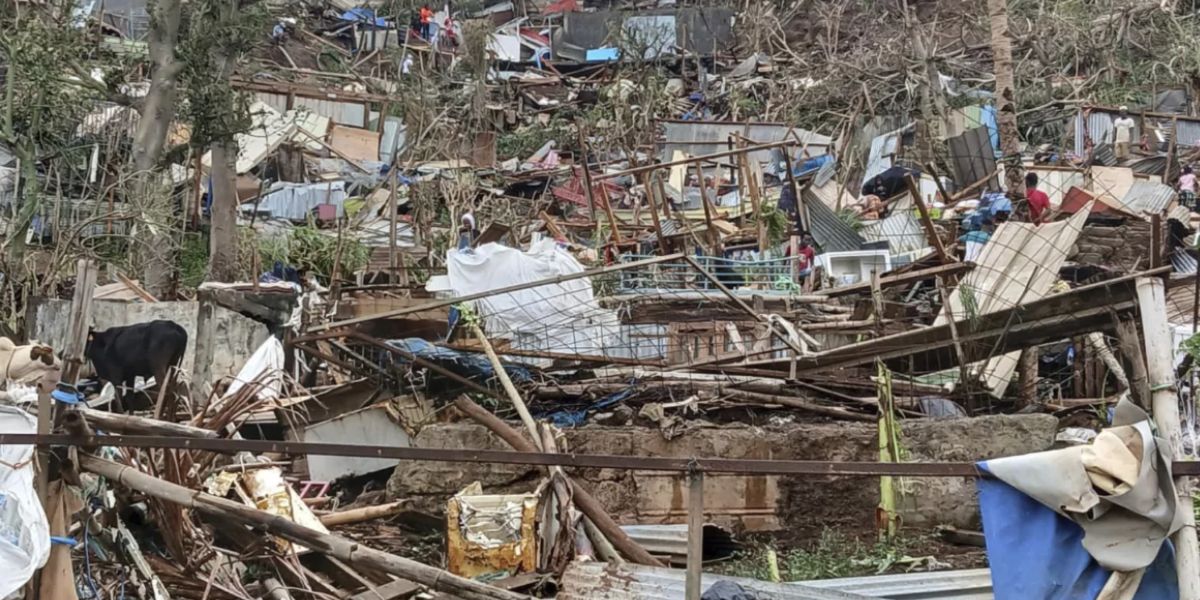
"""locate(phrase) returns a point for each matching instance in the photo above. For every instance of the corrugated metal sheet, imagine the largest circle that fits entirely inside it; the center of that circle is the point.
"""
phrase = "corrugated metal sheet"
(883, 152)
(1018, 265)
(672, 540)
(707, 137)
(830, 231)
(1183, 262)
(1099, 128)
(973, 584)
(342, 113)
(1147, 197)
(1104, 155)
(901, 230)
(1056, 182)
(602, 581)
(973, 158)
(825, 173)
(294, 202)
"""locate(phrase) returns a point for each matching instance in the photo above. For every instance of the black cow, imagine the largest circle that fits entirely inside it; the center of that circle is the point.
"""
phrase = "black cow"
(119, 354)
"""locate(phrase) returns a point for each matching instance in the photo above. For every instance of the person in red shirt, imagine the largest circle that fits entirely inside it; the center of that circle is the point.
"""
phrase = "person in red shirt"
(1039, 202)
(805, 256)
(426, 21)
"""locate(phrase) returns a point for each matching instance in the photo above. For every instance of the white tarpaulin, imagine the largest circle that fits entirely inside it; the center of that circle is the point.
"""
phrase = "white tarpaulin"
(24, 530)
(267, 359)
(555, 317)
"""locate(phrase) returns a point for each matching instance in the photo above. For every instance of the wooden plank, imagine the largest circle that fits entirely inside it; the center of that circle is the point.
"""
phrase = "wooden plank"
(353, 143)
(930, 232)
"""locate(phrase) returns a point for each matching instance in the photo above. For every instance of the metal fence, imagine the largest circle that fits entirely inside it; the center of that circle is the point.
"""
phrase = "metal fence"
(679, 275)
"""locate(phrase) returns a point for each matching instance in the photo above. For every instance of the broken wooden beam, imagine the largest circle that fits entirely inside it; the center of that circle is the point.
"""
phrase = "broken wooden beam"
(1082, 310)
(350, 552)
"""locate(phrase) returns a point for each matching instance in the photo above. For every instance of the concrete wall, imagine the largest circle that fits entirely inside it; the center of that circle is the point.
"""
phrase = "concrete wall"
(224, 341)
(746, 503)
(219, 340)
(51, 318)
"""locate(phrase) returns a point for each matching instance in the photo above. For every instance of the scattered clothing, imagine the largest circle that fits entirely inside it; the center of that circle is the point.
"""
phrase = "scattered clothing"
(974, 242)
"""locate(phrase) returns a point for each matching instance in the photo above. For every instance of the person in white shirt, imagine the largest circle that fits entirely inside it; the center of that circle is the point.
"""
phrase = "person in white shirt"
(1123, 133)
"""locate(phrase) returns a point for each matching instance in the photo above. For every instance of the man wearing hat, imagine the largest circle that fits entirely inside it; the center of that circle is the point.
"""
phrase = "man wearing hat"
(1123, 133)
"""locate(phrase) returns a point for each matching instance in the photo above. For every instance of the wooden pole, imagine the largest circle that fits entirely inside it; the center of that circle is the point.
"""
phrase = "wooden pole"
(662, 193)
(926, 220)
(133, 424)
(658, 231)
(714, 238)
(584, 500)
(392, 221)
(695, 544)
(1165, 400)
(587, 173)
(348, 551)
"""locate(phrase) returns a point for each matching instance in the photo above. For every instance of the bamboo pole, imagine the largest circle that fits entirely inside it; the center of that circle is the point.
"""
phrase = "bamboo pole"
(509, 388)
(133, 424)
(350, 552)
(1165, 400)
(358, 515)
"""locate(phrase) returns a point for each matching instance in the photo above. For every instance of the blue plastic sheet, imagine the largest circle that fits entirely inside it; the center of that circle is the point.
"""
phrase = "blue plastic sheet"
(1037, 554)
(472, 365)
(364, 15)
(810, 165)
(575, 418)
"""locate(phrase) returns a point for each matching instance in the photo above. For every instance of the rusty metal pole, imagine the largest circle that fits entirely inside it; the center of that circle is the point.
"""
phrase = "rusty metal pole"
(695, 545)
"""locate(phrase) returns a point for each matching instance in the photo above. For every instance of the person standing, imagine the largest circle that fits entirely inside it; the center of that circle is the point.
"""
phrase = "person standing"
(426, 21)
(1039, 202)
(1187, 188)
(1123, 133)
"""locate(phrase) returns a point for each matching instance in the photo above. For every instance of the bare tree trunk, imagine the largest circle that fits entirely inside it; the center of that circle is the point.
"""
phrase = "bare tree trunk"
(152, 198)
(1006, 101)
(223, 248)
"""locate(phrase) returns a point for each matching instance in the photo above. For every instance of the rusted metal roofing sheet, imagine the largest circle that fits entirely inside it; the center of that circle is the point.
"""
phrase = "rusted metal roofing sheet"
(602, 581)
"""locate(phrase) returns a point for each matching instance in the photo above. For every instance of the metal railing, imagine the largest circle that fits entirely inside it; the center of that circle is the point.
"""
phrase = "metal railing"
(679, 275)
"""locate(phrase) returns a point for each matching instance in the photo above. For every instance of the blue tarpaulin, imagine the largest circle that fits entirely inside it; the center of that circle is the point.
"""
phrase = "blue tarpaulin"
(472, 365)
(809, 165)
(364, 15)
(1037, 554)
(575, 418)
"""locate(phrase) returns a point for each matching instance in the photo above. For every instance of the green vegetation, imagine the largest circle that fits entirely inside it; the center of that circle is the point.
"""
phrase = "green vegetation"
(305, 246)
(834, 555)
(521, 143)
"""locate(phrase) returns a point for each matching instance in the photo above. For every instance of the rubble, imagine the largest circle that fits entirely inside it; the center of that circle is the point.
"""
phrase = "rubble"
(541, 300)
